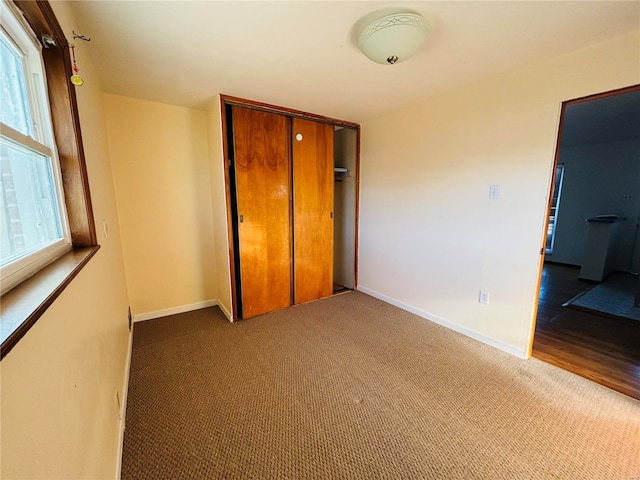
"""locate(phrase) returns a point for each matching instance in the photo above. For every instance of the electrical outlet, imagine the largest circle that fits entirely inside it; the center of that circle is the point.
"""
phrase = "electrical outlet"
(130, 319)
(494, 192)
(484, 297)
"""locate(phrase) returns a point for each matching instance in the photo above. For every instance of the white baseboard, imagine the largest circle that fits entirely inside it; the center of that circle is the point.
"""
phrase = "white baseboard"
(141, 317)
(224, 310)
(123, 406)
(125, 384)
(505, 347)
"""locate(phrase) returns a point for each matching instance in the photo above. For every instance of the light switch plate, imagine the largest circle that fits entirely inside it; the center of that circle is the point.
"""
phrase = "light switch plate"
(484, 297)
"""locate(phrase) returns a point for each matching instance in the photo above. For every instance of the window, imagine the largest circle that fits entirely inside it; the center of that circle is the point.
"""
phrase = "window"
(33, 225)
(38, 169)
(555, 205)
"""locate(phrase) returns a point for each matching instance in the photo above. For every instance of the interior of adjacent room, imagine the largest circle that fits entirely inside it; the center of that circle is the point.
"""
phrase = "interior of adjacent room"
(587, 317)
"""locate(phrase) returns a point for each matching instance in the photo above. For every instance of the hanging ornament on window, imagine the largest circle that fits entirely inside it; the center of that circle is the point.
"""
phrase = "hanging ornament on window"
(76, 79)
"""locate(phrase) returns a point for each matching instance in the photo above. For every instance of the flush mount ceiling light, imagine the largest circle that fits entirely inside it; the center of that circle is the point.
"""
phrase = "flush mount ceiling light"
(393, 38)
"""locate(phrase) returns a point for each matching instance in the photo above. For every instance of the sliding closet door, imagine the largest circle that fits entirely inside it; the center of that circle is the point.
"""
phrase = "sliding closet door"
(262, 170)
(312, 210)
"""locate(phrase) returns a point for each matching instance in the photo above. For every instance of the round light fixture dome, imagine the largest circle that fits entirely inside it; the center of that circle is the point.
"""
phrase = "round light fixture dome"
(393, 38)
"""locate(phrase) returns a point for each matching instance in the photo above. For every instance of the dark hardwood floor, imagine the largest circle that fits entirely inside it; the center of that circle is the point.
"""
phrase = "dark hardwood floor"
(601, 348)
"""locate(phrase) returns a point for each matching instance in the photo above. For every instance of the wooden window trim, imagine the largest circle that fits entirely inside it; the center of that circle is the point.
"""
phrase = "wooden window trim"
(66, 123)
(25, 303)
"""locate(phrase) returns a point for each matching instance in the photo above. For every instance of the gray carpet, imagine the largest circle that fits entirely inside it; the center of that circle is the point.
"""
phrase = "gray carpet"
(614, 297)
(353, 388)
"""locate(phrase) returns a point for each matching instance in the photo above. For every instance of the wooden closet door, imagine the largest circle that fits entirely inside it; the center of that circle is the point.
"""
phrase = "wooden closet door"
(312, 210)
(262, 169)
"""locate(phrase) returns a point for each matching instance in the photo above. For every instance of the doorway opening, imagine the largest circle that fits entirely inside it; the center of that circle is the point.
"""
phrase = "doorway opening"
(588, 320)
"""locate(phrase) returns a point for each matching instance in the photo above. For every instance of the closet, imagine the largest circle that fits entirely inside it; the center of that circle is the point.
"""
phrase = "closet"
(345, 208)
(280, 172)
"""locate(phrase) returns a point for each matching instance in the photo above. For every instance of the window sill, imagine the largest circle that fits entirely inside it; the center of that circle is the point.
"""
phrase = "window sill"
(23, 305)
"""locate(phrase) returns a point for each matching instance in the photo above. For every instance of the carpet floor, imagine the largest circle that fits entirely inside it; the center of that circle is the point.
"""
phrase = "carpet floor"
(614, 297)
(353, 388)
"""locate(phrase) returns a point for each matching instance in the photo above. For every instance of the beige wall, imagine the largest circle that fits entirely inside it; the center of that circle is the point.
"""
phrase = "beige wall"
(161, 174)
(58, 413)
(218, 201)
(430, 237)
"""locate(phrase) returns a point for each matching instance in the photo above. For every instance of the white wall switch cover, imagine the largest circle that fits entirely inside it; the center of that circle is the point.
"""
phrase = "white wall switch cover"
(484, 297)
(494, 192)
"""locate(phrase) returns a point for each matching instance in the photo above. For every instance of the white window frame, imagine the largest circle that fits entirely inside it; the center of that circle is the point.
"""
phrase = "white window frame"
(554, 207)
(42, 141)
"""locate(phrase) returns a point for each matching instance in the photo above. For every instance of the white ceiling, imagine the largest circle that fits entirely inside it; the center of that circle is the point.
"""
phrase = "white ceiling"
(301, 54)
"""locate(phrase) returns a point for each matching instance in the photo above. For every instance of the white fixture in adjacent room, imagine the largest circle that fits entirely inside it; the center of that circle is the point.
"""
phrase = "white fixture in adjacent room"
(393, 38)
